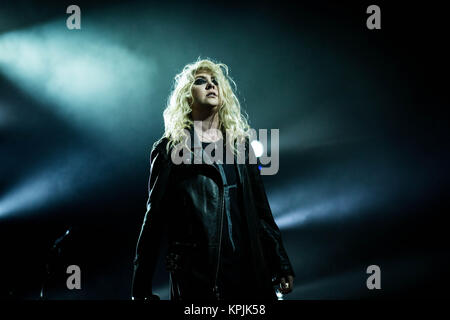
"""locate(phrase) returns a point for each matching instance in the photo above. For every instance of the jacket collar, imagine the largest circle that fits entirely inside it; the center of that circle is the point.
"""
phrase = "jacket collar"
(199, 152)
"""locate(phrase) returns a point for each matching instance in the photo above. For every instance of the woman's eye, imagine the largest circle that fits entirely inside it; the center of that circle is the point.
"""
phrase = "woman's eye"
(199, 81)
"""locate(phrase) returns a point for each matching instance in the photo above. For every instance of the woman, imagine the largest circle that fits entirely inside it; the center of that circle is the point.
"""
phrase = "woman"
(223, 242)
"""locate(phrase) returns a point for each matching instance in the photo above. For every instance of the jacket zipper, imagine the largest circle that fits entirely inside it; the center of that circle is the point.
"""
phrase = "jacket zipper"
(216, 288)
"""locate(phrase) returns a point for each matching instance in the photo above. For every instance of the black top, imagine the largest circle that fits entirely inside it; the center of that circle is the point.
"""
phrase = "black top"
(235, 265)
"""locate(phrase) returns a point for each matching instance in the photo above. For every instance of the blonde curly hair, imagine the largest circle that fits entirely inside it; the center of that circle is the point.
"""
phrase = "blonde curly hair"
(178, 112)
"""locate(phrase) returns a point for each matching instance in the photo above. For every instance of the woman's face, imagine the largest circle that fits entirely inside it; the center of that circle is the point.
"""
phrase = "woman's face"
(205, 91)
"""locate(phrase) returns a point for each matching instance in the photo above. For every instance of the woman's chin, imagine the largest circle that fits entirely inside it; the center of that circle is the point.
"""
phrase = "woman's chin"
(210, 106)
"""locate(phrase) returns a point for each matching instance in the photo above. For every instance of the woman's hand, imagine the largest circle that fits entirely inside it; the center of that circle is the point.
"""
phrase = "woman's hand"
(286, 284)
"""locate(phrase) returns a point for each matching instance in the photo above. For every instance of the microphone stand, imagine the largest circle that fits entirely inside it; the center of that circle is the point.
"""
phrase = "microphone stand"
(53, 255)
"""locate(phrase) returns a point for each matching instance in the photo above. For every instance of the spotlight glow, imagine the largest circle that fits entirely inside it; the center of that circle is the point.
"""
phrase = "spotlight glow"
(56, 182)
(87, 78)
(258, 148)
(314, 203)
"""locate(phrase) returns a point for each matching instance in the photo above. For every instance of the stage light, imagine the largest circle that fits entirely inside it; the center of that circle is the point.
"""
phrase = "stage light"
(258, 148)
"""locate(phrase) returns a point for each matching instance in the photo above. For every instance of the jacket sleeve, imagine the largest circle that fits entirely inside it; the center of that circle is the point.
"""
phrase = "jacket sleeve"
(271, 236)
(153, 227)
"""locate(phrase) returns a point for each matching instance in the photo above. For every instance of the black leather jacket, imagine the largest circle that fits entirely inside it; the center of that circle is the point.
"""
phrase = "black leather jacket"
(186, 202)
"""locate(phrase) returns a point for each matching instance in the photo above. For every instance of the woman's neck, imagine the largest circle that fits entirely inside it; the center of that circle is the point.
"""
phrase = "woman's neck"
(207, 128)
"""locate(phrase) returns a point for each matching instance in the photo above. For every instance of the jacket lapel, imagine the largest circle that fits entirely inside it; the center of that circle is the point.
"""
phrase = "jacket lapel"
(201, 154)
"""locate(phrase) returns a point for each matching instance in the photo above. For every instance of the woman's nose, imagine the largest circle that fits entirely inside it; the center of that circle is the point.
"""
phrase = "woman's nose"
(209, 85)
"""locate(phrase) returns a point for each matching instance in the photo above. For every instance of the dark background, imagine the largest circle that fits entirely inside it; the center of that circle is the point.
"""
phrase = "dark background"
(364, 138)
